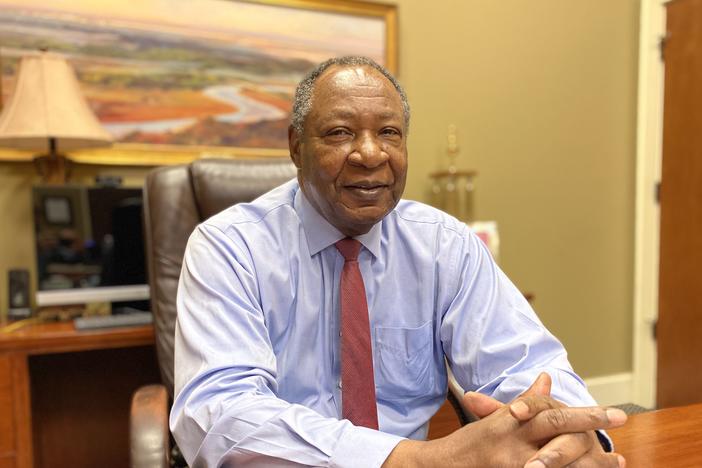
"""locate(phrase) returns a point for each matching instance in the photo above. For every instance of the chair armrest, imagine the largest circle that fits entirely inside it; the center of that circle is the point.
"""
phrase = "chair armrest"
(148, 428)
(455, 397)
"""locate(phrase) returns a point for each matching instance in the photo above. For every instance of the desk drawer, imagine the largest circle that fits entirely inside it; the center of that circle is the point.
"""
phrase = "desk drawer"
(7, 414)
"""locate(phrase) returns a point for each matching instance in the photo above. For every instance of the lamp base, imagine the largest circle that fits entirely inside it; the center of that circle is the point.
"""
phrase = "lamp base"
(53, 168)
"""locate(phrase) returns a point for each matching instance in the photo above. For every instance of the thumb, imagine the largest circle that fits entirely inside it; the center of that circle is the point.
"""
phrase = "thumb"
(480, 405)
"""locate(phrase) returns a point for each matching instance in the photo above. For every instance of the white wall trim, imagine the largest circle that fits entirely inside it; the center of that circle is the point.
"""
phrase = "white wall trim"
(648, 169)
(611, 389)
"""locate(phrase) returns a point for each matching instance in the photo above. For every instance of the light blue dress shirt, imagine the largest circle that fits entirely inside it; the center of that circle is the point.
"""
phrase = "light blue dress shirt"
(257, 358)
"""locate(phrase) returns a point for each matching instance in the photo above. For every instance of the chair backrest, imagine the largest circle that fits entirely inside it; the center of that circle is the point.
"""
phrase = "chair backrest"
(176, 200)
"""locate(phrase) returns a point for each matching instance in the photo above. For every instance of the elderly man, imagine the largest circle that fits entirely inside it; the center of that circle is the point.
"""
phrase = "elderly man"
(314, 323)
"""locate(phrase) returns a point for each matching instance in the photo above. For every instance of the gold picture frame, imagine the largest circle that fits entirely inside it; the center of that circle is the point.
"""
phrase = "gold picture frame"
(327, 14)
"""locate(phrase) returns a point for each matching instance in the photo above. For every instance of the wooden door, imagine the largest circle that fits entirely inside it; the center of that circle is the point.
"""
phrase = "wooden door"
(679, 330)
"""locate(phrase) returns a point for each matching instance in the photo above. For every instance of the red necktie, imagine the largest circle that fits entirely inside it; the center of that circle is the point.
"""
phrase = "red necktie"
(357, 382)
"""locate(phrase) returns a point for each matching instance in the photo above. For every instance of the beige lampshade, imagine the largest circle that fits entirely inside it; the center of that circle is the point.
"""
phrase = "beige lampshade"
(48, 104)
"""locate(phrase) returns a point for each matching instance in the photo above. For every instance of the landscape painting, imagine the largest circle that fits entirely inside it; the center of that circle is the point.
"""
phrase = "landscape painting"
(195, 74)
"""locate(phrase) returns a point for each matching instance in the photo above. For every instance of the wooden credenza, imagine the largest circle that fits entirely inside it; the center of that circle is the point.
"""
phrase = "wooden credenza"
(65, 394)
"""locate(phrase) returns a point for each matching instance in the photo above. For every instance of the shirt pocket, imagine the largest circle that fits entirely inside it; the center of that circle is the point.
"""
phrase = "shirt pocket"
(403, 361)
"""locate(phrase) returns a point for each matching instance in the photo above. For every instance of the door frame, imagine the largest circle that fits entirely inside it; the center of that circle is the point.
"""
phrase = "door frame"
(649, 145)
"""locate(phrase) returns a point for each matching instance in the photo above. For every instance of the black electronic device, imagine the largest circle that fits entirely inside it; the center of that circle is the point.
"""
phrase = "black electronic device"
(18, 288)
(108, 181)
(90, 245)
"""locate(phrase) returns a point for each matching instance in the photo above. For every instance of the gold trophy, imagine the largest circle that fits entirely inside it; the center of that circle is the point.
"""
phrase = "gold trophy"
(452, 189)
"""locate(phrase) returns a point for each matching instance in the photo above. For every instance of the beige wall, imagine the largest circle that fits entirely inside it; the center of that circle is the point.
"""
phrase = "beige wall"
(543, 95)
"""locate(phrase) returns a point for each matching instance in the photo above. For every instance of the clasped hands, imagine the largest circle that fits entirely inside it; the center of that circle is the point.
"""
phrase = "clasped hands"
(533, 431)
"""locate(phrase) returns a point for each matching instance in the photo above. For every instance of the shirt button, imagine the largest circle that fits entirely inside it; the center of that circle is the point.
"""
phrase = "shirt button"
(339, 384)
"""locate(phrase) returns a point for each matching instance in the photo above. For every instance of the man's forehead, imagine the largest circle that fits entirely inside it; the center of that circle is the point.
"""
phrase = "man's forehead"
(347, 73)
(338, 83)
(345, 112)
(345, 76)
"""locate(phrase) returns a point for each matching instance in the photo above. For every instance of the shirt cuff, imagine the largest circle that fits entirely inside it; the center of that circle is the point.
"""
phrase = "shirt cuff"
(605, 441)
(360, 446)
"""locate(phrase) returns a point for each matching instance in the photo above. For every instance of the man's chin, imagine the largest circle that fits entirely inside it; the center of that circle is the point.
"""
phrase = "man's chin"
(360, 220)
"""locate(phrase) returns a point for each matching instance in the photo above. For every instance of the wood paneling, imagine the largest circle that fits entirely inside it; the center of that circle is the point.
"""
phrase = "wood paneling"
(21, 410)
(680, 302)
(7, 426)
(4, 372)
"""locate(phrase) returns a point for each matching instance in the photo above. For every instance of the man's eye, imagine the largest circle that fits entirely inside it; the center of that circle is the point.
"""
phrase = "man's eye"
(338, 132)
(390, 132)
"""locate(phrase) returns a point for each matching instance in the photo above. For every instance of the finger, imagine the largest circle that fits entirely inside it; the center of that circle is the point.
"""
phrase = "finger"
(553, 422)
(540, 387)
(599, 460)
(527, 407)
(562, 450)
(481, 405)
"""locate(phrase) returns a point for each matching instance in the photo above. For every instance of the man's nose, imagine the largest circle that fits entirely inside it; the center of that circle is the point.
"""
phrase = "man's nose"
(368, 152)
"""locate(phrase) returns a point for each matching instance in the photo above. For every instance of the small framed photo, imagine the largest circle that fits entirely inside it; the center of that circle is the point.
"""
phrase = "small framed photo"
(58, 210)
(487, 232)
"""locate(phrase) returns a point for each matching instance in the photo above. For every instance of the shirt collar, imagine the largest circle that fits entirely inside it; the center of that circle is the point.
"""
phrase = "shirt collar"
(320, 234)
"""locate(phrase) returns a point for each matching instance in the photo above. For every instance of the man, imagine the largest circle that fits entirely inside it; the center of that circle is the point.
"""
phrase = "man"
(263, 377)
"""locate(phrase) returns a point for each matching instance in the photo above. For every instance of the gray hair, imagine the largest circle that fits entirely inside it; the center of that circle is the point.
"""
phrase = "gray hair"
(303, 94)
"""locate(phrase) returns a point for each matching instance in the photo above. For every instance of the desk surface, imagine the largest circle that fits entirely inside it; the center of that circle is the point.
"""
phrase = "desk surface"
(58, 337)
(667, 438)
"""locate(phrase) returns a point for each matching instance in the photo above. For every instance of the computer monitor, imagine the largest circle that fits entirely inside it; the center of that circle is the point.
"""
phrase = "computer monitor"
(89, 245)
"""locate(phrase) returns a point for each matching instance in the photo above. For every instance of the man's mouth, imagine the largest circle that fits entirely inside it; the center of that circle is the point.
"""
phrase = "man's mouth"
(366, 189)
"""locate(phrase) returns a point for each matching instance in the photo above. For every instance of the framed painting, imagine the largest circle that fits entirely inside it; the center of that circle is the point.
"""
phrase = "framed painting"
(176, 80)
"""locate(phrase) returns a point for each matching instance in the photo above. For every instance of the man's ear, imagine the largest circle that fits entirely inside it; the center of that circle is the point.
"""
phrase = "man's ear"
(294, 142)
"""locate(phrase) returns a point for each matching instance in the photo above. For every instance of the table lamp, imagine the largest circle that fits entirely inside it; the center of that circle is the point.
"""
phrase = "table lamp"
(47, 113)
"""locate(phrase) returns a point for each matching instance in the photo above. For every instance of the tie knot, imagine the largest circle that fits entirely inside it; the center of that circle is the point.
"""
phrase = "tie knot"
(349, 249)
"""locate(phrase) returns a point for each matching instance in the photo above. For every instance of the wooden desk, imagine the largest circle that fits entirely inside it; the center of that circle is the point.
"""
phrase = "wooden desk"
(667, 438)
(65, 394)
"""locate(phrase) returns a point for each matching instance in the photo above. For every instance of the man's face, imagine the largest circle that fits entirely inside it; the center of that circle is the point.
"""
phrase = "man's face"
(352, 157)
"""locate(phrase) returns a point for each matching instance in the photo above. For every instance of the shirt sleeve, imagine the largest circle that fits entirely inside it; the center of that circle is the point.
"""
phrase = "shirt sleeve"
(225, 410)
(494, 342)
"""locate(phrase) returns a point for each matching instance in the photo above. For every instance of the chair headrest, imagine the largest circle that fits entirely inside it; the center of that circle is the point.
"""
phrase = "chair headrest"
(220, 183)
